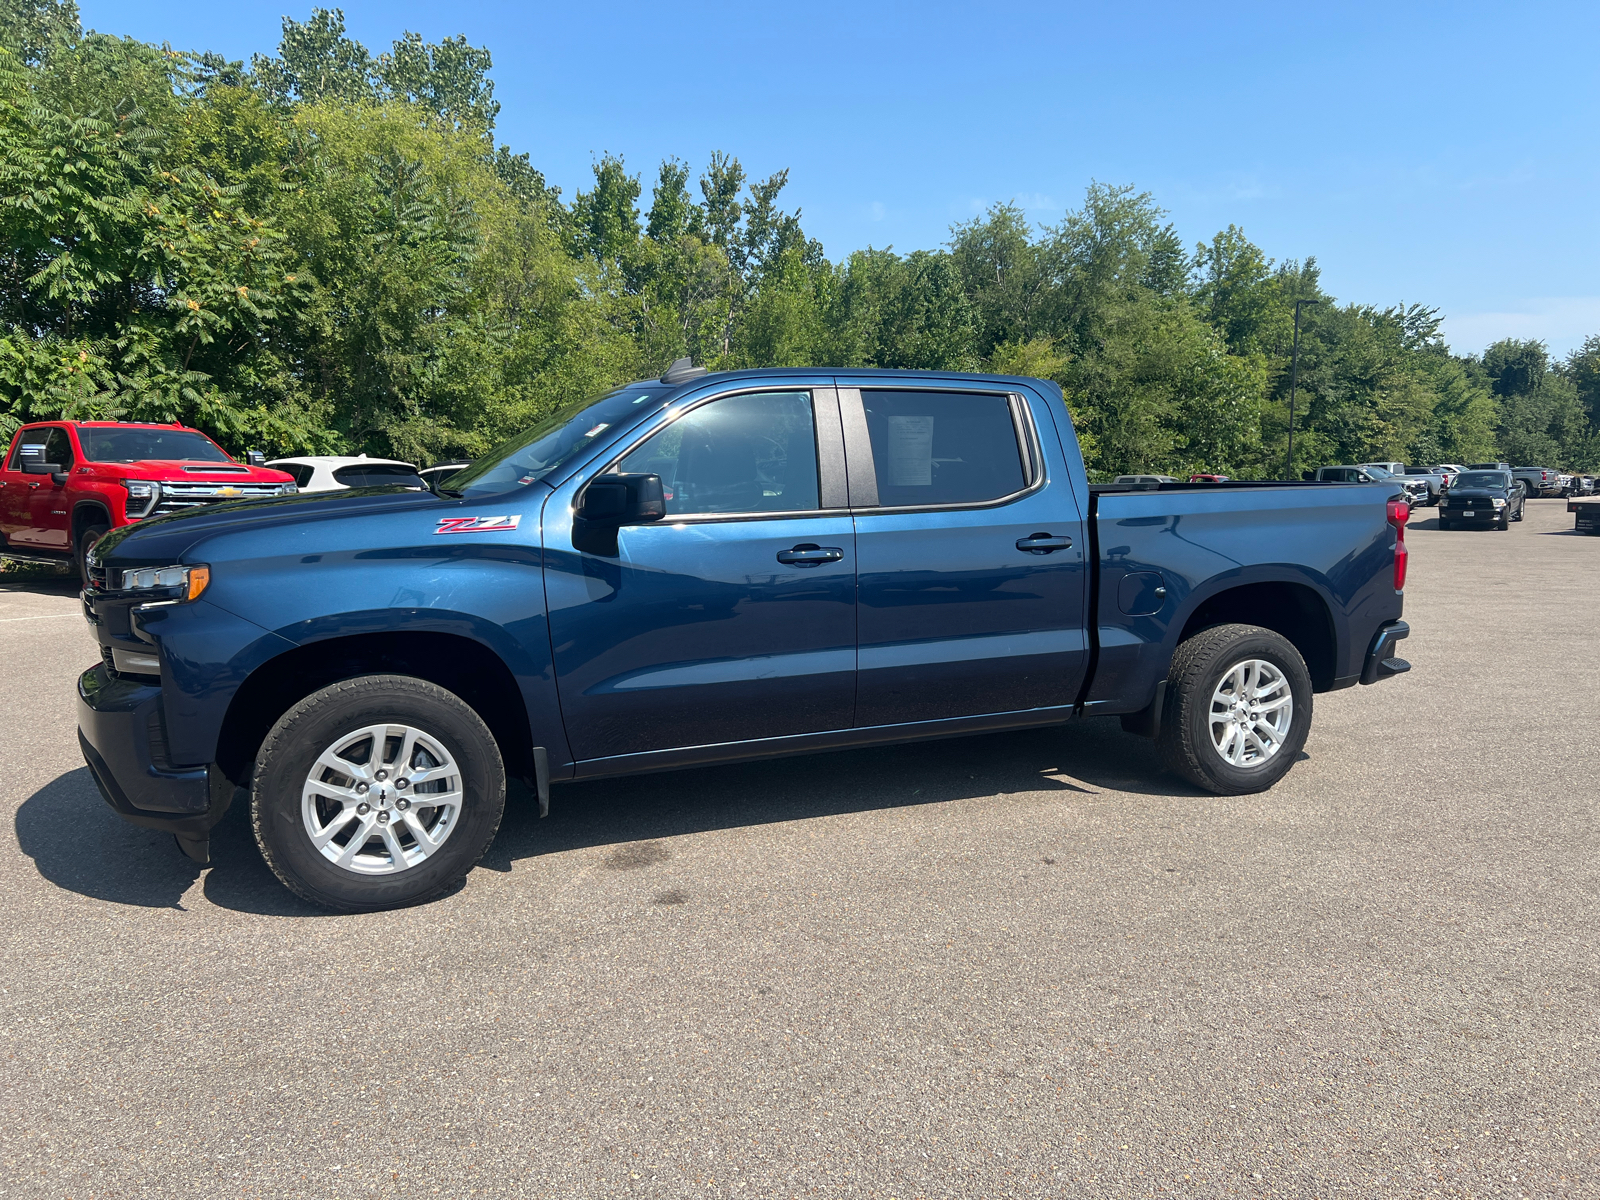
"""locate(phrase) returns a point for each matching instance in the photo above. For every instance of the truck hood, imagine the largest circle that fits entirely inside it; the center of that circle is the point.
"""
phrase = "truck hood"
(159, 540)
(1459, 495)
(186, 470)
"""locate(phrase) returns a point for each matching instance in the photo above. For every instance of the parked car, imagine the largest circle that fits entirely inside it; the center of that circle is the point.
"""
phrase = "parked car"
(336, 473)
(435, 475)
(1147, 480)
(709, 569)
(1587, 518)
(1437, 482)
(1540, 481)
(65, 484)
(1488, 466)
(1448, 470)
(1416, 492)
(1481, 499)
(1208, 479)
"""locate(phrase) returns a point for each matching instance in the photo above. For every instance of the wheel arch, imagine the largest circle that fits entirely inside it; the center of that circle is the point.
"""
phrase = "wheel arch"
(460, 665)
(1294, 609)
(86, 513)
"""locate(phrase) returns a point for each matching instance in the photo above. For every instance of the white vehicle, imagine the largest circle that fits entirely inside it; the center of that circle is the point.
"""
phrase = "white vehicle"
(1145, 479)
(439, 472)
(333, 473)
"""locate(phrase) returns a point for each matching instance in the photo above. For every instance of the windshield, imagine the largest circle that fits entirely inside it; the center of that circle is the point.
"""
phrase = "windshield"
(1483, 479)
(135, 445)
(560, 437)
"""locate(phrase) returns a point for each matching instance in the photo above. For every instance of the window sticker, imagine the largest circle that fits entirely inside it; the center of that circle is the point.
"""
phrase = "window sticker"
(911, 451)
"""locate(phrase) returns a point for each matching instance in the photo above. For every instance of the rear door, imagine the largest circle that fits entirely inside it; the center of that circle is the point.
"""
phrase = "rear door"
(19, 491)
(971, 554)
(735, 617)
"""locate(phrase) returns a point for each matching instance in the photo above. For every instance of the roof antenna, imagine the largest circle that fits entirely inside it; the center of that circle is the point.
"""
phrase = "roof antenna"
(682, 371)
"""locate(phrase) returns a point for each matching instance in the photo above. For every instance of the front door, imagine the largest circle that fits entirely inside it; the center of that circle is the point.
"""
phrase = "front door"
(971, 554)
(733, 618)
(50, 518)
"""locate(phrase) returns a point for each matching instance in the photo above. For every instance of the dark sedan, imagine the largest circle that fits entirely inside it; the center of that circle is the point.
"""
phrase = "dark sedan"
(1479, 499)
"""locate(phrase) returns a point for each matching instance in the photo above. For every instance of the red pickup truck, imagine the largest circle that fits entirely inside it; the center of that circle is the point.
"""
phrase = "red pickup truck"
(63, 484)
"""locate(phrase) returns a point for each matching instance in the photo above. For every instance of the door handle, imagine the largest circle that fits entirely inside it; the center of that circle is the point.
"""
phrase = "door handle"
(809, 554)
(1042, 543)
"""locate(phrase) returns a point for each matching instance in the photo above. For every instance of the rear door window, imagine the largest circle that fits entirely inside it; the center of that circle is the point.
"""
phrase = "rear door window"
(941, 448)
(755, 453)
(30, 448)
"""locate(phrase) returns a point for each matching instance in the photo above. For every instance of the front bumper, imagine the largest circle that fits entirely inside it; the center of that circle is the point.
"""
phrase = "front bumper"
(1481, 515)
(1381, 660)
(122, 733)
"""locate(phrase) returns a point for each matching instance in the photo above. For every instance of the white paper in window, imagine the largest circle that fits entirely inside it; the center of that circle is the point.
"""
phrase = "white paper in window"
(911, 451)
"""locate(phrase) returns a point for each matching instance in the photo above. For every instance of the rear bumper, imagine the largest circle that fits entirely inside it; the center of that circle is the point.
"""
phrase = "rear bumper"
(1381, 660)
(121, 731)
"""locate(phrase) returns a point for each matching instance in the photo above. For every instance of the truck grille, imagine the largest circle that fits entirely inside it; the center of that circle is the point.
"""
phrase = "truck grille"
(175, 497)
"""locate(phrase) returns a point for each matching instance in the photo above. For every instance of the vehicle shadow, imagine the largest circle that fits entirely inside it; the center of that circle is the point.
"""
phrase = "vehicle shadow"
(79, 844)
(44, 583)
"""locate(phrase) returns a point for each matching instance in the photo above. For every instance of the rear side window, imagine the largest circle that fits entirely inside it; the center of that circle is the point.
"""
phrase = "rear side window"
(30, 447)
(378, 475)
(943, 447)
(741, 454)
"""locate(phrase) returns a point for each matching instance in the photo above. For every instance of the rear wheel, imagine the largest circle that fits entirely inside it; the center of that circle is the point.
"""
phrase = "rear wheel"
(87, 538)
(1237, 711)
(377, 792)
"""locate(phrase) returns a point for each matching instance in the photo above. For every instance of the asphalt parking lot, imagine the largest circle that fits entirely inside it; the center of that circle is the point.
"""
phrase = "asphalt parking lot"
(1026, 964)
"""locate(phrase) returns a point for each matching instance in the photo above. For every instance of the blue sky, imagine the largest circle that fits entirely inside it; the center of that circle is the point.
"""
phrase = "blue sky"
(1442, 153)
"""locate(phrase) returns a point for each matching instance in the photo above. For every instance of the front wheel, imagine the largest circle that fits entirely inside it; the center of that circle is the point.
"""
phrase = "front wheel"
(1237, 710)
(377, 792)
(86, 543)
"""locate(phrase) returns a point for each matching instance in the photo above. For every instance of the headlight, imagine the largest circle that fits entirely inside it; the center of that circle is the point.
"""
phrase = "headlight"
(288, 489)
(1498, 503)
(192, 580)
(142, 496)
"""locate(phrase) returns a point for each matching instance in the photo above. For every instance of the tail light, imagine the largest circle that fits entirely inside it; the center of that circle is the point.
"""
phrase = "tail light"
(1399, 514)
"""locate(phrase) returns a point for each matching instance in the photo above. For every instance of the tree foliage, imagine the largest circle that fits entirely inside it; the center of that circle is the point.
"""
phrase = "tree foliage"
(330, 249)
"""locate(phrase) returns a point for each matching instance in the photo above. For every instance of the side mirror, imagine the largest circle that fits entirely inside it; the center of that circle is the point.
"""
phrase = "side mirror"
(608, 503)
(622, 500)
(255, 458)
(32, 466)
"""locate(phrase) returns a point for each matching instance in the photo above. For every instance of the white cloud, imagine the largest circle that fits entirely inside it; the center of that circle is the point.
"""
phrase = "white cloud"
(1560, 321)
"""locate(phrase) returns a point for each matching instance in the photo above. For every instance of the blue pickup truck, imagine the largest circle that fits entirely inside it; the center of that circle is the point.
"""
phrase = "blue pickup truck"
(702, 569)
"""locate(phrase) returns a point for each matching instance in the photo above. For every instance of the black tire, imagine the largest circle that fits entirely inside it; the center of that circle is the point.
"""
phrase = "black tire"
(1198, 668)
(1504, 523)
(87, 537)
(1521, 508)
(314, 725)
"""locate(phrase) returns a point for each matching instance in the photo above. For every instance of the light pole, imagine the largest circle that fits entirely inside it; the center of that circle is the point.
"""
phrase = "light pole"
(1294, 381)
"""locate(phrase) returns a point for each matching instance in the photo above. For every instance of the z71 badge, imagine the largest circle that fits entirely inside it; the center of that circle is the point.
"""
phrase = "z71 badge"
(478, 524)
